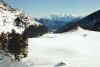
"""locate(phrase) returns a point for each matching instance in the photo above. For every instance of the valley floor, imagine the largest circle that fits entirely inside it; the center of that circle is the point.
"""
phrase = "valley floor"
(76, 49)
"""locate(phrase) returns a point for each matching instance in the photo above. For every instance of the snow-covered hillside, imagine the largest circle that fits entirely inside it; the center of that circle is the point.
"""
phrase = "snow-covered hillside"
(8, 20)
(76, 49)
(15, 29)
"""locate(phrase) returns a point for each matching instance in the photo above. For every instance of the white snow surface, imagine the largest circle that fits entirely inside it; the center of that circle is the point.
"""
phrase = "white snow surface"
(77, 49)
(7, 20)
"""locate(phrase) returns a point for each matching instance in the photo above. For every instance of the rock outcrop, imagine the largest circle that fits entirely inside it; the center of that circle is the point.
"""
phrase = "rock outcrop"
(15, 29)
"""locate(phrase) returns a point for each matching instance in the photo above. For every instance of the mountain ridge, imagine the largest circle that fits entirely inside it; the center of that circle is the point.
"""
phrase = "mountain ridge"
(16, 27)
(55, 22)
(89, 22)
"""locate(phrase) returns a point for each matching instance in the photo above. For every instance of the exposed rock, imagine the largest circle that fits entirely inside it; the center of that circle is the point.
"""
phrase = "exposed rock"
(60, 64)
(15, 29)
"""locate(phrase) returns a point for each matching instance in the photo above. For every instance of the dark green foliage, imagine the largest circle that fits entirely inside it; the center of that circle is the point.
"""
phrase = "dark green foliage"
(91, 22)
(18, 21)
(35, 31)
(14, 44)
(3, 41)
(68, 27)
(71, 26)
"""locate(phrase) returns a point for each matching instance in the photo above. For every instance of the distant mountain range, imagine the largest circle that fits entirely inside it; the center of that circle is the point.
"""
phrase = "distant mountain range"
(90, 22)
(58, 24)
(55, 22)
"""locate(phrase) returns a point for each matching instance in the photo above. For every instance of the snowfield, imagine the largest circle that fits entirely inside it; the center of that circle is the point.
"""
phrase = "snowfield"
(76, 49)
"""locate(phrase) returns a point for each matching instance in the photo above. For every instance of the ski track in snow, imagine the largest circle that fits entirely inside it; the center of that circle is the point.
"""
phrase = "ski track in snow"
(77, 49)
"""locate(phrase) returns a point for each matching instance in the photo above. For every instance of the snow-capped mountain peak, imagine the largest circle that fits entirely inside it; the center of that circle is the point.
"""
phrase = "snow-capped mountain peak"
(55, 22)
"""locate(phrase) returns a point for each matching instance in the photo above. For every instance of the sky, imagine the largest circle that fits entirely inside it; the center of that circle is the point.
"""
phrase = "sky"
(43, 8)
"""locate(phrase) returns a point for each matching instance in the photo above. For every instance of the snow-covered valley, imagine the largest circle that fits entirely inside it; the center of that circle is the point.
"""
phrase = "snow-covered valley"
(77, 49)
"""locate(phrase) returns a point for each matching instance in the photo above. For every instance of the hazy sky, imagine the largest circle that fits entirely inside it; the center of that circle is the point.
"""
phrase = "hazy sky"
(41, 8)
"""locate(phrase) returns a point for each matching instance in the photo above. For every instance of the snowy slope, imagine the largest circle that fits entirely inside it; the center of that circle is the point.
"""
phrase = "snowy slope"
(76, 49)
(9, 15)
(73, 48)
(7, 20)
(14, 21)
